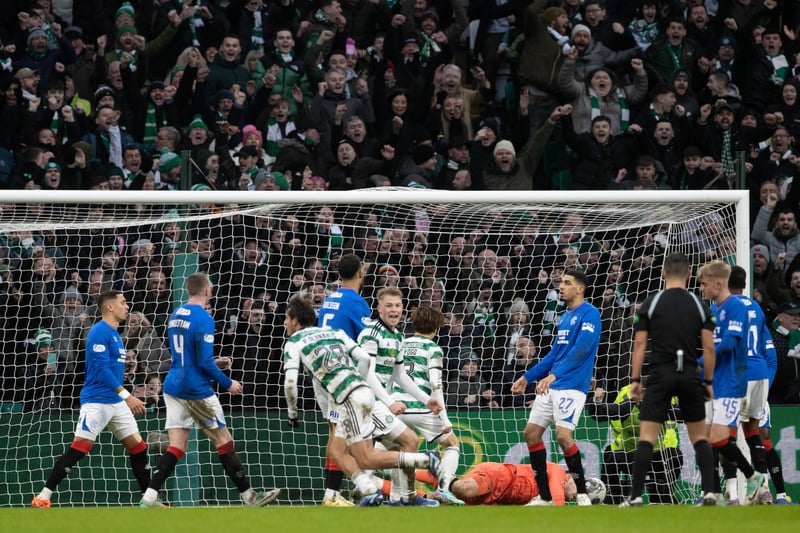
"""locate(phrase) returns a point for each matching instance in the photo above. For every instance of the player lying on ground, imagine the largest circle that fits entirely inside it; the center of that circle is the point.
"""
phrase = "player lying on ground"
(514, 484)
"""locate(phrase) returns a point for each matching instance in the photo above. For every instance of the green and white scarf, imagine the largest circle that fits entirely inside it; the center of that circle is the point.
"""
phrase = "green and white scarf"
(794, 338)
(195, 23)
(257, 31)
(429, 46)
(132, 52)
(485, 317)
(781, 67)
(624, 110)
(150, 124)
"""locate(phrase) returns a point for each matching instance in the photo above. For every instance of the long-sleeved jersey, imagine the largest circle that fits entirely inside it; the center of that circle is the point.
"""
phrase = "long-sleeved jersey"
(105, 364)
(190, 330)
(730, 345)
(574, 350)
(762, 361)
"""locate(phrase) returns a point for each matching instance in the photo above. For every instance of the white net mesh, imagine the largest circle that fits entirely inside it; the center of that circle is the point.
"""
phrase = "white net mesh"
(494, 268)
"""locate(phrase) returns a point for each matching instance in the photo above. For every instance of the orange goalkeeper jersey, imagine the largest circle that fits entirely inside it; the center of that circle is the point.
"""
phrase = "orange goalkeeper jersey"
(510, 484)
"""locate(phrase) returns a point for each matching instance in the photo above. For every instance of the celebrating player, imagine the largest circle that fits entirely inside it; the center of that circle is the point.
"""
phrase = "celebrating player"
(190, 399)
(104, 402)
(563, 378)
(382, 340)
(421, 359)
(730, 374)
(328, 356)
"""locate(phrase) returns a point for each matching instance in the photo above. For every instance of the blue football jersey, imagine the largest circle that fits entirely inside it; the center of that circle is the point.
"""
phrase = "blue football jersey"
(346, 310)
(190, 330)
(730, 339)
(762, 361)
(574, 350)
(105, 364)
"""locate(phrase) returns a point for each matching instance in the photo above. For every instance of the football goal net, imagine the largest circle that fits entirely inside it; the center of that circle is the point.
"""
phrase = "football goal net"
(492, 261)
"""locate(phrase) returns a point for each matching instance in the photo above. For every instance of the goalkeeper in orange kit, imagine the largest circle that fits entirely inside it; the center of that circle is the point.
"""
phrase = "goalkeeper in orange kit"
(510, 484)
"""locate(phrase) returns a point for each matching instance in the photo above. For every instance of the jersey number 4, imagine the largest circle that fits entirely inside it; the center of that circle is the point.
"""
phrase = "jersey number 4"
(177, 345)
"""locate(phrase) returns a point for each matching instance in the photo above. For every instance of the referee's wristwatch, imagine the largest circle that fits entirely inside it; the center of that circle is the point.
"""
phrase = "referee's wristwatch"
(708, 382)
(636, 380)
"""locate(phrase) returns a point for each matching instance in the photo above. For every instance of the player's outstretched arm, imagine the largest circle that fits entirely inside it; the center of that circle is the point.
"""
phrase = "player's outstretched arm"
(403, 380)
(366, 367)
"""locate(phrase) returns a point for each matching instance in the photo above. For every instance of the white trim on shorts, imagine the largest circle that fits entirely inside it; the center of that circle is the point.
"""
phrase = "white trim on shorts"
(183, 414)
(560, 407)
(429, 425)
(755, 399)
(355, 423)
(723, 411)
(95, 417)
(765, 419)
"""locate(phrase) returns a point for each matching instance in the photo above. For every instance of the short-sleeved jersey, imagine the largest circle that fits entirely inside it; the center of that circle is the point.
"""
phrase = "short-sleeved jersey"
(105, 364)
(190, 330)
(674, 319)
(383, 344)
(761, 358)
(418, 355)
(730, 372)
(326, 354)
(574, 350)
(346, 310)
(512, 484)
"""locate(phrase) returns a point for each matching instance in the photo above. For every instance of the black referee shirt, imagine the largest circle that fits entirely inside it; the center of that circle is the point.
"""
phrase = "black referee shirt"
(674, 318)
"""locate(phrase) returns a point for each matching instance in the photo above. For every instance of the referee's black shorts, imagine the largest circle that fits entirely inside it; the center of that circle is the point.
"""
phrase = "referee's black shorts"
(664, 383)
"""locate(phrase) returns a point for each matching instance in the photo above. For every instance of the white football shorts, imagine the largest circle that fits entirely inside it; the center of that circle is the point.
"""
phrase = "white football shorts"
(206, 413)
(723, 411)
(755, 400)
(429, 425)
(95, 417)
(560, 407)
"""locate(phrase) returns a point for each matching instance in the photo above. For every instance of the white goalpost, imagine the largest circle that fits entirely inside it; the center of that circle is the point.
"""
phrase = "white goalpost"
(491, 260)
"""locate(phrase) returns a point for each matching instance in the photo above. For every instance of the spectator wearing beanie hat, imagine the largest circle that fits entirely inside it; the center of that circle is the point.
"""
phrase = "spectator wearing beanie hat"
(128, 41)
(169, 170)
(197, 134)
(423, 167)
(508, 171)
(761, 271)
(39, 56)
(592, 54)
(353, 172)
(546, 41)
(252, 136)
(153, 111)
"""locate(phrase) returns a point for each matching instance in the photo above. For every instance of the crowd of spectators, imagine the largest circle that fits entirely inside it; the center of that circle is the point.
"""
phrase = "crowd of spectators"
(330, 95)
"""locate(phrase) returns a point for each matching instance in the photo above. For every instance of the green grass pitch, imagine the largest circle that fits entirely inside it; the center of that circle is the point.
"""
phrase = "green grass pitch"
(653, 519)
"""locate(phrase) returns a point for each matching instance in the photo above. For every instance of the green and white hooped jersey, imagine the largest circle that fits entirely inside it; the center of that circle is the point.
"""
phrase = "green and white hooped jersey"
(325, 353)
(418, 355)
(383, 344)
